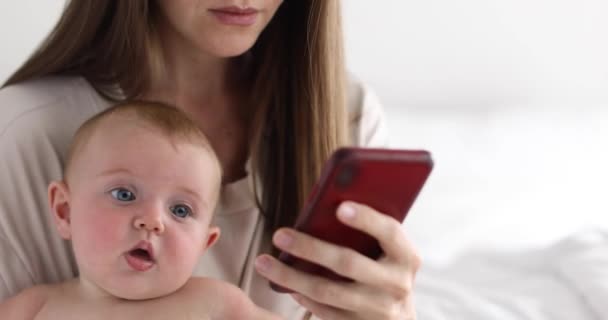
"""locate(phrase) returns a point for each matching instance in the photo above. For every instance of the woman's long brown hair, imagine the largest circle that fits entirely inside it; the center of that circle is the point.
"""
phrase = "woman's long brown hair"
(297, 82)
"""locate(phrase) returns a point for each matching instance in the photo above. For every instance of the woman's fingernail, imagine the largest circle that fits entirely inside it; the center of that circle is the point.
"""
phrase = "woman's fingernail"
(283, 239)
(347, 211)
(263, 264)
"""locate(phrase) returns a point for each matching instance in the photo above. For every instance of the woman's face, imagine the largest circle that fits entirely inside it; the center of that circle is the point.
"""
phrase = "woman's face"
(221, 28)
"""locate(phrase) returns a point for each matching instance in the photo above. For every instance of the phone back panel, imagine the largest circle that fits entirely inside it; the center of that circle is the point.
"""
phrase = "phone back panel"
(386, 180)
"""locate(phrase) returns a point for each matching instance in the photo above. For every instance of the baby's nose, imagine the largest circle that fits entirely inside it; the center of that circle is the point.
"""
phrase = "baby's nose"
(152, 223)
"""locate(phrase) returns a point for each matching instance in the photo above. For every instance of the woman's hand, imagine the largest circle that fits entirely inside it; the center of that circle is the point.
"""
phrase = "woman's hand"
(381, 289)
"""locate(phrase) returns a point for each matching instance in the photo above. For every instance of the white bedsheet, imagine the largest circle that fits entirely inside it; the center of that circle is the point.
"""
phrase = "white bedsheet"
(568, 281)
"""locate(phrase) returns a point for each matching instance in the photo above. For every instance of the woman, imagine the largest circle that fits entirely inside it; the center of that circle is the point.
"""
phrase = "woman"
(265, 80)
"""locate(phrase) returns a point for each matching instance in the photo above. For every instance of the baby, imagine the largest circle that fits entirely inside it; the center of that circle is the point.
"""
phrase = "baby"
(140, 187)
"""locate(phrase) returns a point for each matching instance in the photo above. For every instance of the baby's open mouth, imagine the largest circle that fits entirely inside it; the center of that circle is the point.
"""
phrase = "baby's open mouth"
(141, 254)
(141, 257)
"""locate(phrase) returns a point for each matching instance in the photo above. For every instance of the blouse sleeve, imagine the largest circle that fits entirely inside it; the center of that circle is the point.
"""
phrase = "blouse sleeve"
(367, 118)
(36, 127)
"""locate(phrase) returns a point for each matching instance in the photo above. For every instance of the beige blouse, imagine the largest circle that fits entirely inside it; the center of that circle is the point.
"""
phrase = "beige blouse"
(37, 121)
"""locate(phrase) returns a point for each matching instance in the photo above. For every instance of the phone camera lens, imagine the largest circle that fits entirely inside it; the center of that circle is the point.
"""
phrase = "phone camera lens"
(345, 176)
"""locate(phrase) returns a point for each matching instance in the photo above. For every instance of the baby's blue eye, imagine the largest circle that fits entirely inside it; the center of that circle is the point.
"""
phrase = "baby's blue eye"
(181, 211)
(122, 194)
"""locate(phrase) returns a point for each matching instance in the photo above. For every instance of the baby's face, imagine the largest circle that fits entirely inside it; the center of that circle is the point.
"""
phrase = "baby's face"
(140, 209)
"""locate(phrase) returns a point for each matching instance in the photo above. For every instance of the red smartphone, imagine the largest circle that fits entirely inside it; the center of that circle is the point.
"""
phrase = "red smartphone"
(387, 180)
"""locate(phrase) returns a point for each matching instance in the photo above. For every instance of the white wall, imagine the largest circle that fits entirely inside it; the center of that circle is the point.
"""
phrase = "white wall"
(23, 24)
(479, 53)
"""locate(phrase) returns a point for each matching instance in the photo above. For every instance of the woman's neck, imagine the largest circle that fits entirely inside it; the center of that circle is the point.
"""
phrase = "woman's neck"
(211, 91)
(190, 80)
(185, 74)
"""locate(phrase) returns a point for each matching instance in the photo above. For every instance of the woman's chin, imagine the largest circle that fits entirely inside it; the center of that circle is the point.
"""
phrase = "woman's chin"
(231, 47)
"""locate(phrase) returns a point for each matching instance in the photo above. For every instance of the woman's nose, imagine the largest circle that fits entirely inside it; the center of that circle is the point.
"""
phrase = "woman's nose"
(149, 222)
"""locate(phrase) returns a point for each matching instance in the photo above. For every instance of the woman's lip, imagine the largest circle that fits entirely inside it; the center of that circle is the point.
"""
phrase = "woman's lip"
(235, 10)
(235, 15)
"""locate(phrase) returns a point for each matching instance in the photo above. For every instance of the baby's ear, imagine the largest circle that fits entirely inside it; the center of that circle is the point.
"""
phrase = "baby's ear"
(212, 235)
(59, 203)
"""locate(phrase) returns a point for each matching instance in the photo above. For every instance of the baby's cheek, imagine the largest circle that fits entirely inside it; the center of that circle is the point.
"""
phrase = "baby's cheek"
(185, 249)
(101, 232)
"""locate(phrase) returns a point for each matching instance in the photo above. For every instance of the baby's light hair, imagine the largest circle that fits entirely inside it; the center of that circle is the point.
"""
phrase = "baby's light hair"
(167, 119)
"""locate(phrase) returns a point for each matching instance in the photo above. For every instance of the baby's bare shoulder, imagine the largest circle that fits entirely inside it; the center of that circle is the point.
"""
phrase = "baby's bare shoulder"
(214, 290)
(27, 303)
(226, 301)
